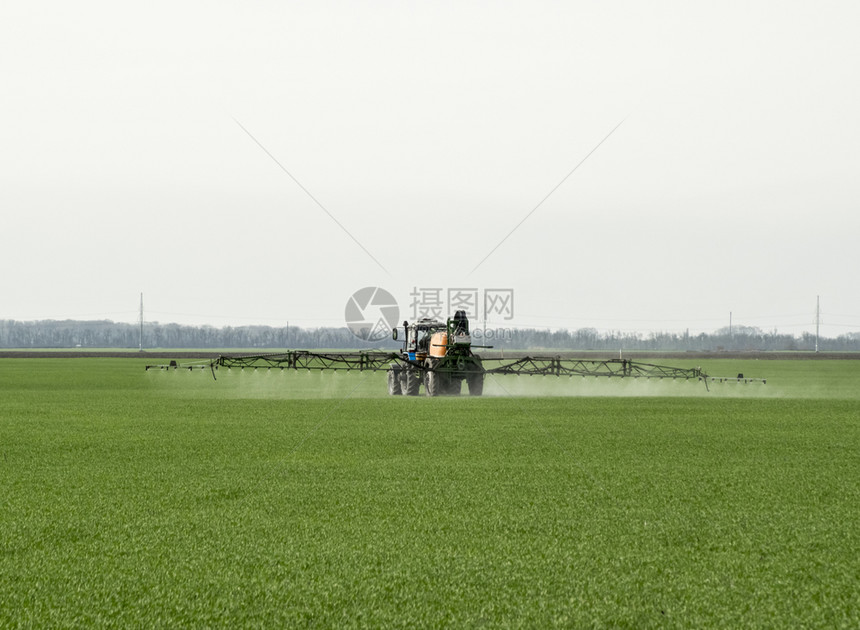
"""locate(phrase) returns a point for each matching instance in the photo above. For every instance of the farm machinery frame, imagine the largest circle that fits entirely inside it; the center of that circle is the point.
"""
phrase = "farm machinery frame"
(438, 356)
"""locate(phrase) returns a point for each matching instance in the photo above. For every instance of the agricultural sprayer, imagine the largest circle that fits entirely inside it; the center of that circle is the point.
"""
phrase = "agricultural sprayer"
(438, 356)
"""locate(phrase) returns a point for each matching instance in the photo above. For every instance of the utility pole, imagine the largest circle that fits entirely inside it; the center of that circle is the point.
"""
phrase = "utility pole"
(730, 324)
(817, 319)
(140, 338)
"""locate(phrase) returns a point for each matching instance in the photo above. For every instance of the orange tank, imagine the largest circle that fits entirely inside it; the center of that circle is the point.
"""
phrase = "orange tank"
(439, 344)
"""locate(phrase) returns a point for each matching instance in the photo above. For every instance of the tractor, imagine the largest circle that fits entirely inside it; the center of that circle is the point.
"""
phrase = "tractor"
(439, 355)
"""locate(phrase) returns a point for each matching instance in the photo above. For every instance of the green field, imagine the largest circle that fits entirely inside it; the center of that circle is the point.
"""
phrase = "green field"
(165, 499)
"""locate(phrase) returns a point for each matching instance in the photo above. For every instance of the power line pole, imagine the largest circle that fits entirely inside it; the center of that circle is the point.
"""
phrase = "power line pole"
(140, 338)
(817, 319)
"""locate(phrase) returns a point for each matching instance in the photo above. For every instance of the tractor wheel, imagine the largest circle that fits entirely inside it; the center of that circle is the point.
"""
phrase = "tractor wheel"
(475, 379)
(435, 381)
(412, 382)
(476, 384)
(394, 382)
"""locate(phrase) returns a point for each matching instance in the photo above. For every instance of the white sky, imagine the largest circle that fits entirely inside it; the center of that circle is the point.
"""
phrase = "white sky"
(429, 130)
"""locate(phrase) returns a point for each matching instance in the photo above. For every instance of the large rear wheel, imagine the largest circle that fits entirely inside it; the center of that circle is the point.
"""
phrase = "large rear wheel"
(475, 379)
(410, 381)
(435, 382)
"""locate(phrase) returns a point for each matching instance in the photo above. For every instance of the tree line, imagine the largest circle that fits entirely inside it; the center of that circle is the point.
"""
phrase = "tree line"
(108, 334)
(741, 338)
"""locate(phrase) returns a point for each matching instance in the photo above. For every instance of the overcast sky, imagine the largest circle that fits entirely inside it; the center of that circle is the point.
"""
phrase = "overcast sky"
(259, 162)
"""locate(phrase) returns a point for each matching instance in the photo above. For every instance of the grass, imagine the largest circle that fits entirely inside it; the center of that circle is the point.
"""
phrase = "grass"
(268, 499)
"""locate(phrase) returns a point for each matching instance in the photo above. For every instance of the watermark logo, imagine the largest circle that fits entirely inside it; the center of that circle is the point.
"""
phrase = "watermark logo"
(371, 313)
(439, 303)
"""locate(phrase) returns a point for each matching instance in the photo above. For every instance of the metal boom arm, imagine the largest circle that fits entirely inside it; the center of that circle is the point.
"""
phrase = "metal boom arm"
(558, 366)
(538, 365)
(306, 360)
(528, 365)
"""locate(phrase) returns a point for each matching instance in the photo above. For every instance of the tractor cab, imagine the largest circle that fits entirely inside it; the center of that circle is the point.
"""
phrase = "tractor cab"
(430, 337)
(417, 342)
